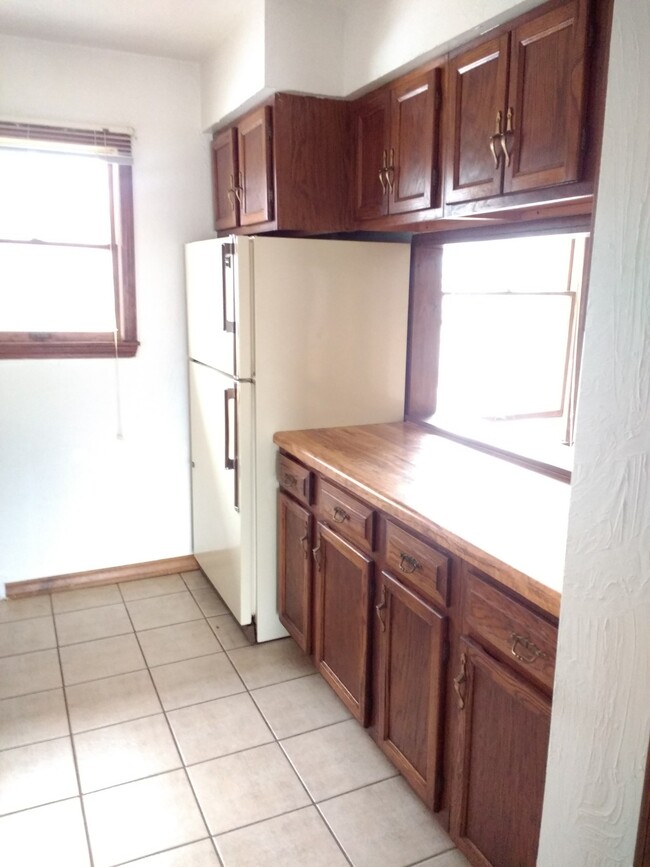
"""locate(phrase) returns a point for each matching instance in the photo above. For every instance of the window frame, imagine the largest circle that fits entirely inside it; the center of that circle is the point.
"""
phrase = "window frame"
(425, 319)
(123, 342)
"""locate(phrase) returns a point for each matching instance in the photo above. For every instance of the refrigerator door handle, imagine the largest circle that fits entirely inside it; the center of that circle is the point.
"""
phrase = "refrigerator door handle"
(229, 394)
(228, 281)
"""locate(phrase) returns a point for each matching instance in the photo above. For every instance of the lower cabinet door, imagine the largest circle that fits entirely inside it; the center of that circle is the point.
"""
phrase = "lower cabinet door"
(409, 721)
(294, 570)
(343, 598)
(504, 727)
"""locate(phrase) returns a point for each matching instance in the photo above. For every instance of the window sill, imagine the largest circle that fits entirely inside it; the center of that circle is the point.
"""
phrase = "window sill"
(63, 348)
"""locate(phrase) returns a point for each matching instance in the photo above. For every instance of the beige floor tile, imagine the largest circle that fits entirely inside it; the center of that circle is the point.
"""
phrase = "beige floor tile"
(23, 609)
(85, 597)
(199, 854)
(29, 672)
(453, 858)
(298, 839)
(337, 759)
(73, 627)
(37, 774)
(209, 601)
(195, 579)
(247, 787)
(28, 719)
(50, 836)
(216, 728)
(163, 610)
(300, 705)
(193, 680)
(142, 818)
(272, 662)
(228, 631)
(104, 657)
(111, 700)
(177, 642)
(24, 636)
(384, 825)
(125, 752)
(143, 588)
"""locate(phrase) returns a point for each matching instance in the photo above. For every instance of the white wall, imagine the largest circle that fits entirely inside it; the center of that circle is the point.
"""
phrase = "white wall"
(72, 496)
(601, 707)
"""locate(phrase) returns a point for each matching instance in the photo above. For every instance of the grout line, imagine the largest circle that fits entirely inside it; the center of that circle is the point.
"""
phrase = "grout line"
(73, 748)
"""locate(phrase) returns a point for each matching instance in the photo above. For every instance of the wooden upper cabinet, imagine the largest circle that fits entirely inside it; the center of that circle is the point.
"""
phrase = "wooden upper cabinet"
(396, 145)
(224, 179)
(517, 106)
(255, 151)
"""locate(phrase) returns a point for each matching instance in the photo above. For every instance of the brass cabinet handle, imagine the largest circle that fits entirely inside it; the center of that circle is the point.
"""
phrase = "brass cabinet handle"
(504, 136)
(239, 188)
(231, 192)
(459, 680)
(383, 171)
(316, 555)
(408, 564)
(304, 543)
(340, 515)
(289, 480)
(530, 650)
(380, 608)
(497, 136)
(390, 170)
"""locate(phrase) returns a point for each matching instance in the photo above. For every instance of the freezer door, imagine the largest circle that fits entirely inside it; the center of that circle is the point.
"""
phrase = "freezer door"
(211, 303)
(218, 407)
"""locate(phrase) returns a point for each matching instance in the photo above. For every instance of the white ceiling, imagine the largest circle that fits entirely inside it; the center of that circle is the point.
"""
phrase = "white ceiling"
(184, 29)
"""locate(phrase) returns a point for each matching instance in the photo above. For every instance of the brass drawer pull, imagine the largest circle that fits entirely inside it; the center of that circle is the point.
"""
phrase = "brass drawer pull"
(530, 650)
(459, 680)
(340, 515)
(408, 564)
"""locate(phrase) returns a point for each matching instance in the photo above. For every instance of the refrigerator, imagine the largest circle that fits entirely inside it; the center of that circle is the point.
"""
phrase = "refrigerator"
(283, 334)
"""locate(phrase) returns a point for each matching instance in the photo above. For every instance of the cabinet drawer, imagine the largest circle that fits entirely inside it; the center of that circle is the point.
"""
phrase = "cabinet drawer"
(350, 518)
(515, 633)
(294, 478)
(421, 565)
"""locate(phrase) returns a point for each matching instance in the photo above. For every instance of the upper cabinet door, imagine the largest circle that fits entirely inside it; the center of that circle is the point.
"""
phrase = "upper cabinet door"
(478, 81)
(255, 147)
(224, 179)
(413, 151)
(372, 127)
(543, 119)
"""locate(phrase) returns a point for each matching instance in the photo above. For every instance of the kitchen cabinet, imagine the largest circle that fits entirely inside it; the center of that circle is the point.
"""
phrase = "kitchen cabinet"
(284, 166)
(396, 146)
(344, 584)
(517, 105)
(503, 682)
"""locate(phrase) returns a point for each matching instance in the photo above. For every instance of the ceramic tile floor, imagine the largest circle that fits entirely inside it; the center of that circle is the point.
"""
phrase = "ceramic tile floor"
(137, 726)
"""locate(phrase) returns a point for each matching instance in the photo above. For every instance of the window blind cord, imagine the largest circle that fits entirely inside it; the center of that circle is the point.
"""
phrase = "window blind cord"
(119, 432)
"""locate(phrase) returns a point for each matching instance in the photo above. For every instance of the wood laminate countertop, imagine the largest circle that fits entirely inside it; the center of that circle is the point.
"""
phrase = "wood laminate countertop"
(507, 521)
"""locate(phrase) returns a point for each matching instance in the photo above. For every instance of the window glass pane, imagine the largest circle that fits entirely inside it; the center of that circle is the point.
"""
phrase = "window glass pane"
(54, 197)
(52, 289)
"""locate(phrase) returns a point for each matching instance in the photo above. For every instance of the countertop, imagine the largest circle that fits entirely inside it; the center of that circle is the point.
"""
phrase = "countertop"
(506, 520)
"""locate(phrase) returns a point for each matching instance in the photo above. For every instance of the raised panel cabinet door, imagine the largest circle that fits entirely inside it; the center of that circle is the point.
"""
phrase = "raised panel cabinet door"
(478, 81)
(342, 610)
(371, 125)
(546, 98)
(294, 570)
(224, 179)
(255, 151)
(504, 725)
(413, 152)
(411, 647)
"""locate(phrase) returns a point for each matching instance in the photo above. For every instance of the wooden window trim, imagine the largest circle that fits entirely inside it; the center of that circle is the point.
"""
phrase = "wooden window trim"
(60, 344)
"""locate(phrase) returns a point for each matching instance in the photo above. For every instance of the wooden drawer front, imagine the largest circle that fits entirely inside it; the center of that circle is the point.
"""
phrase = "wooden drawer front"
(527, 641)
(350, 518)
(294, 478)
(418, 564)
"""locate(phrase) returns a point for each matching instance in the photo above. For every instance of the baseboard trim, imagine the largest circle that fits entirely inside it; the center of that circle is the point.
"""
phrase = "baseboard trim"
(112, 575)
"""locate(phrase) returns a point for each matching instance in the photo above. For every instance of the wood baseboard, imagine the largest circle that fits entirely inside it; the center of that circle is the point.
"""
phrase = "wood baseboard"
(112, 575)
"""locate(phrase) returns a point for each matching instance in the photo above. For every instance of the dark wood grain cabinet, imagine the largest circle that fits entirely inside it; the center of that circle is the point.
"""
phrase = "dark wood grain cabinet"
(396, 131)
(284, 166)
(516, 107)
(294, 570)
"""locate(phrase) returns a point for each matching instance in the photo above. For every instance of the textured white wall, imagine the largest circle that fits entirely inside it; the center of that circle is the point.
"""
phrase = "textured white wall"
(601, 707)
(72, 496)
